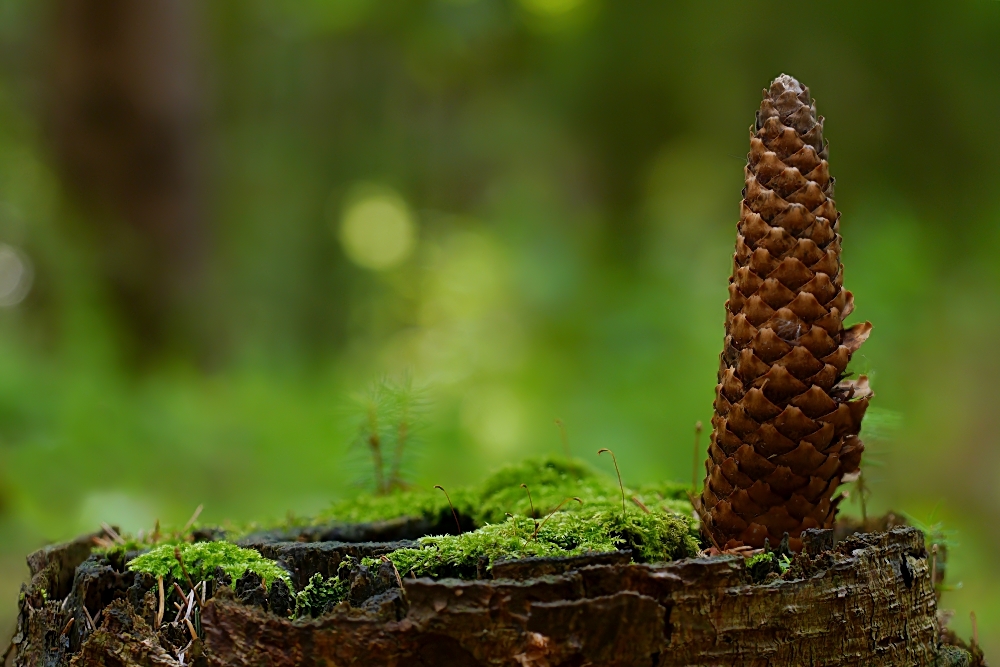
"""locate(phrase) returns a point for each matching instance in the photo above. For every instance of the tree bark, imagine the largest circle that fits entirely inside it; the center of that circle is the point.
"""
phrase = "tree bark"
(868, 600)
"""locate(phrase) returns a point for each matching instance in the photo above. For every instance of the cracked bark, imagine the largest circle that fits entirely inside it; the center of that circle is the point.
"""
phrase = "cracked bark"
(869, 600)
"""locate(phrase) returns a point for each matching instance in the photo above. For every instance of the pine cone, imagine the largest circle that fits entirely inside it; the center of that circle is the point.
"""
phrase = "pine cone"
(785, 430)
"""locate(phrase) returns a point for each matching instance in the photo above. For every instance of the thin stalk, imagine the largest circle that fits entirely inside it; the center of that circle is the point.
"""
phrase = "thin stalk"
(159, 611)
(538, 527)
(530, 503)
(453, 512)
(620, 485)
(642, 506)
(177, 555)
(194, 517)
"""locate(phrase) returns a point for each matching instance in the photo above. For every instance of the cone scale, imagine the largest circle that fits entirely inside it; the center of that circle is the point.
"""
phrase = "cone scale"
(786, 423)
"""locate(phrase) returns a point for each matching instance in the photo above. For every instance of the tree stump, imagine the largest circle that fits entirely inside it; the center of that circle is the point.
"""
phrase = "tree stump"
(866, 600)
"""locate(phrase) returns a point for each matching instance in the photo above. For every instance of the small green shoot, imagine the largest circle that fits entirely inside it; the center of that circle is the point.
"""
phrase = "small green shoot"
(784, 562)
(390, 417)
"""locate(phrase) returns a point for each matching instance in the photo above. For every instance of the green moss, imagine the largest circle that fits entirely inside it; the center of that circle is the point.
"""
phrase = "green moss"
(657, 536)
(369, 508)
(549, 480)
(319, 595)
(201, 559)
(784, 562)
(502, 509)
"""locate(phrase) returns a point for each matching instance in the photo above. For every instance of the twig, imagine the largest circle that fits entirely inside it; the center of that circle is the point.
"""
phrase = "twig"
(453, 512)
(194, 517)
(190, 604)
(539, 526)
(10, 647)
(90, 619)
(194, 635)
(177, 555)
(112, 533)
(620, 485)
(975, 630)
(159, 611)
(697, 451)
(183, 652)
(564, 437)
(399, 580)
(97, 618)
(68, 625)
(635, 499)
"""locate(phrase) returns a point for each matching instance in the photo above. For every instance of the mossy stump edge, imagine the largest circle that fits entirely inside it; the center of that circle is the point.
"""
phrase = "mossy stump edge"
(867, 600)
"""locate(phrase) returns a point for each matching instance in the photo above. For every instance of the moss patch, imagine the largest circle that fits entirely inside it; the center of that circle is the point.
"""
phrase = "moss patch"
(659, 527)
(502, 509)
(201, 559)
(320, 595)
(549, 480)
(657, 536)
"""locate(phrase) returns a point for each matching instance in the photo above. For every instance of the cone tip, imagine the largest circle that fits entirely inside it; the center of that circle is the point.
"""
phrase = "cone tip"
(786, 82)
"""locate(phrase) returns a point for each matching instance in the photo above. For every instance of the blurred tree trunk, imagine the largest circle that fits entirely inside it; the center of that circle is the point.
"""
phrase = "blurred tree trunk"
(123, 112)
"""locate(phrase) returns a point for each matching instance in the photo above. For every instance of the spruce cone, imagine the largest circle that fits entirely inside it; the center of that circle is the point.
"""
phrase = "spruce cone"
(785, 430)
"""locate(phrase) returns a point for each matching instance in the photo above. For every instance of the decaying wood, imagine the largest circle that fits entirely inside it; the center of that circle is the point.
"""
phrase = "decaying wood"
(866, 601)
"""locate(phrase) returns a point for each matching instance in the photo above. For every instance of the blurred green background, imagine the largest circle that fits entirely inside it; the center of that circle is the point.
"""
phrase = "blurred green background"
(219, 220)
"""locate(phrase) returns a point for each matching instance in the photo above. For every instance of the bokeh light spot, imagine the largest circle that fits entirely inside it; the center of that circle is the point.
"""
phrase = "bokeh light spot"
(15, 276)
(377, 230)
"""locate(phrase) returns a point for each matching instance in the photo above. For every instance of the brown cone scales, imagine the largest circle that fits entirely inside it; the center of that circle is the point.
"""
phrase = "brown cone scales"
(785, 430)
